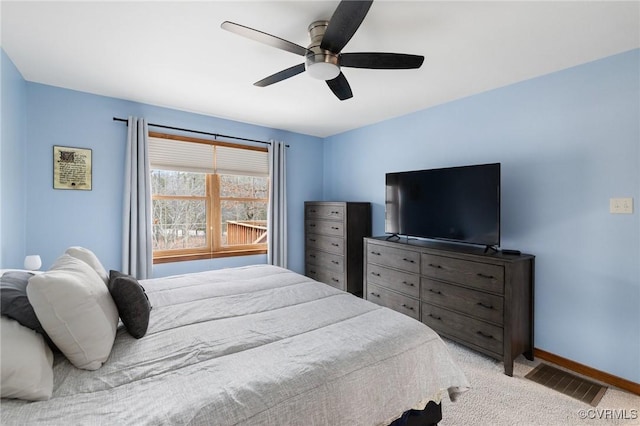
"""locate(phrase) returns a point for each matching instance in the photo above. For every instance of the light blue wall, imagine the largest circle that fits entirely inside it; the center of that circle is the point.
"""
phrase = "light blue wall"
(12, 161)
(567, 142)
(57, 219)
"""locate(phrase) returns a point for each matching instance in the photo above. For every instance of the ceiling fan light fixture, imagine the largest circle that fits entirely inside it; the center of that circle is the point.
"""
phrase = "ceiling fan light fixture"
(322, 70)
(320, 64)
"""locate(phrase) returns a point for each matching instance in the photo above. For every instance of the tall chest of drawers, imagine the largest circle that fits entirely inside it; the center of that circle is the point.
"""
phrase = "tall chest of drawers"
(334, 233)
(482, 300)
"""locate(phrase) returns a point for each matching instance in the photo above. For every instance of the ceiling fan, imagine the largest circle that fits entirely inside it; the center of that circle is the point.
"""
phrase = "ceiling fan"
(323, 57)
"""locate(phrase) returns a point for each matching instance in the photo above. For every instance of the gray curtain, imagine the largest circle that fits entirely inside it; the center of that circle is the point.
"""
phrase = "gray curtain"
(137, 252)
(277, 215)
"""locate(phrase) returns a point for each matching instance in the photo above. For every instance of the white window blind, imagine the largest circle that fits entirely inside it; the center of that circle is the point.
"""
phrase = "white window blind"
(169, 154)
(234, 161)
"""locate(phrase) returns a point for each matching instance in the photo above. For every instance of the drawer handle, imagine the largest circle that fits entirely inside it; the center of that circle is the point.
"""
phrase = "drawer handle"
(313, 240)
(374, 294)
(312, 272)
(312, 225)
(435, 266)
(335, 212)
(408, 307)
(335, 244)
(485, 306)
(375, 274)
(335, 280)
(435, 291)
(312, 255)
(409, 260)
(409, 284)
(486, 336)
(435, 317)
(335, 262)
(375, 253)
(335, 228)
(312, 210)
(489, 277)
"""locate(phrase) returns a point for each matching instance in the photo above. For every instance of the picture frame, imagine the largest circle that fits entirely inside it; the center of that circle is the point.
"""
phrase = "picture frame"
(72, 168)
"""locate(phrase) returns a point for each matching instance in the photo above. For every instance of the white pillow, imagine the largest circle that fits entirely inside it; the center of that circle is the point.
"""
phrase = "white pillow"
(26, 362)
(88, 257)
(76, 310)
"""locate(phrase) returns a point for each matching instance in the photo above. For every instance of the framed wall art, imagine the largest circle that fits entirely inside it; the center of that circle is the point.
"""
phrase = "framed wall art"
(71, 168)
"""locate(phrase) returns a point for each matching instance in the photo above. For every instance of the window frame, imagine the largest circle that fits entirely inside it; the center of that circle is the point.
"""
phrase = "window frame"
(214, 248)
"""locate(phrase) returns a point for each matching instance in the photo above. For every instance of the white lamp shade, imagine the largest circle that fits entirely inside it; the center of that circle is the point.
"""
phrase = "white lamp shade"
(32, 262)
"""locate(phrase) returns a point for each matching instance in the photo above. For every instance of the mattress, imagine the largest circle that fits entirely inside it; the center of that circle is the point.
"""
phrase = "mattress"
(257, 345)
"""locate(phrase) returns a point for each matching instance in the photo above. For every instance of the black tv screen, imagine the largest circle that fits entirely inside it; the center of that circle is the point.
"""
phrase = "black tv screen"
(459, 204)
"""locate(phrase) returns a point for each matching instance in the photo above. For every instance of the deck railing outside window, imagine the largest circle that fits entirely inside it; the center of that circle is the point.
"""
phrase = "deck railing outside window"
(246, 232)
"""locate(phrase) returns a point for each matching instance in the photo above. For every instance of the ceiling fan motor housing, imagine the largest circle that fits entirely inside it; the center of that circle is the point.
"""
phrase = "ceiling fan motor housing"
(320, 64)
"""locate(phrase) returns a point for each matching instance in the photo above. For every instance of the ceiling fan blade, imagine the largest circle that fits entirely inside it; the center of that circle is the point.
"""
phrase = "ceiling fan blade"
(344, 23)
(263, 37)
(279, 76)
(340, 87)
(381, 61)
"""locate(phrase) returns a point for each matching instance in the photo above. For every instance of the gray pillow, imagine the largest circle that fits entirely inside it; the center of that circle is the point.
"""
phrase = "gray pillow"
(15, 303)
(132, 302)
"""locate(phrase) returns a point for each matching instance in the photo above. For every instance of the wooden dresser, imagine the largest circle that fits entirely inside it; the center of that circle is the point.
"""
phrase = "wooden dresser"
(484, 301)
(334, 233)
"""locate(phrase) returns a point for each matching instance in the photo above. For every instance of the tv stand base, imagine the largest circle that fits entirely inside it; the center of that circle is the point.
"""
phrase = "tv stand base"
(481, 300)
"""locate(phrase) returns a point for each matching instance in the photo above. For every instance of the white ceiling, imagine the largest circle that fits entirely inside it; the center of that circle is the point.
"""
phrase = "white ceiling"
(174, 54)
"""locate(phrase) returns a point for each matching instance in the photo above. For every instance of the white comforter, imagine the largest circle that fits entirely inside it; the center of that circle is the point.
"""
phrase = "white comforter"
(258, 345)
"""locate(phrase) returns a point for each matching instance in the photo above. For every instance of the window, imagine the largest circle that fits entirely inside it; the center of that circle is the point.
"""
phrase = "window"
(209, 198)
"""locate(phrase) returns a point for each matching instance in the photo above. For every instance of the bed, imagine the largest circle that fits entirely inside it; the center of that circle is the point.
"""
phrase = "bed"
(257, 345)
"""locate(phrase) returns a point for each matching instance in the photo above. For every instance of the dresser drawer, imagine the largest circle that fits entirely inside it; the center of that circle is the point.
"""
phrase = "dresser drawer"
(403, 282)
(333, 278)
(395, 258)
(469, 330)
(483, 276)
(317, 211)
(325, 227)
(484, 306)
(392, 300)
(327, 260)
(334, 245)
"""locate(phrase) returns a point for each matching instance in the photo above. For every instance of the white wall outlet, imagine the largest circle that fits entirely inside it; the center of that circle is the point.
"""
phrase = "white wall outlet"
(621, 205)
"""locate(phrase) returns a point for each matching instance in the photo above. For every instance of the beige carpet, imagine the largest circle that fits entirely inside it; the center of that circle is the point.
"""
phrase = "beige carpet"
(500, 400)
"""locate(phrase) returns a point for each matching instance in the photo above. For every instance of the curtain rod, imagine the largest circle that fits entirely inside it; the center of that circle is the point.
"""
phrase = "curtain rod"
(124, 120)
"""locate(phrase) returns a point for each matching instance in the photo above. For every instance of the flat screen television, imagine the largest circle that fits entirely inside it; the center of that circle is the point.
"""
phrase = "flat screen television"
(460, 204)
